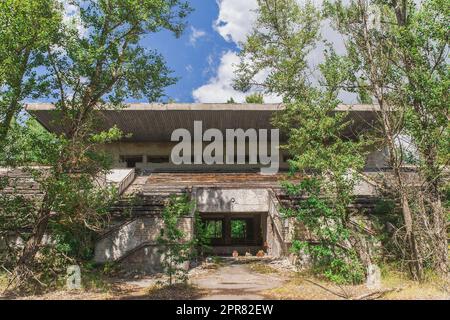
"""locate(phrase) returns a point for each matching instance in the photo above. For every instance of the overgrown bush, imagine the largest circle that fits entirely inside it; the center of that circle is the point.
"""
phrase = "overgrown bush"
(177, 247)
(332, 244)
(80, 208)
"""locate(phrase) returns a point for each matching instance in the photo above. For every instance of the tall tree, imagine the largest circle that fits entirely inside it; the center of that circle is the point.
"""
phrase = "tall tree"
(27, 28)
(397, 59)
(422, 36)
(98, 62)
(398, 51)
(284, 35)
(255, 98)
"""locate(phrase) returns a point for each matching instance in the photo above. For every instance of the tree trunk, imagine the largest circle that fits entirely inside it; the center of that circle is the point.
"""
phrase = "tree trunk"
(438, 239)
(23, 270)
(13, 106)
(439, 232)
(414, 261)
(10, 113)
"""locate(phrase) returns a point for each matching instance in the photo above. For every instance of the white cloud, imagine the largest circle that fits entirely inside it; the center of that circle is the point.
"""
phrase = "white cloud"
(195, 35)
(236, 19)
(234, 23)
(209, 69)
(219, 88)
(71, 17)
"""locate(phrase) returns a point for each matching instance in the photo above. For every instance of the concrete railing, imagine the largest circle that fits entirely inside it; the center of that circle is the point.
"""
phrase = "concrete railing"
(133, 234)
(126, 181)
(121, 178)
(283, 227)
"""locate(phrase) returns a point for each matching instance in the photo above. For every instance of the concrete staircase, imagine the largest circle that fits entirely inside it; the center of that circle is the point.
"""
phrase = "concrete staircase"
(363, 203)
(363, 206)
(19, 183)
(138, 223)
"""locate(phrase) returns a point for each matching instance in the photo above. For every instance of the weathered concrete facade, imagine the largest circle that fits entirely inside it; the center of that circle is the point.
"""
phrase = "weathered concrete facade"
(231, 200)
(134, 243)
(225, 195)
(156, 156)
(149, 127)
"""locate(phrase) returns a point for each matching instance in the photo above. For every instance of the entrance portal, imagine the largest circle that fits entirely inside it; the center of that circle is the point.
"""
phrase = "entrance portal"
(234, 231)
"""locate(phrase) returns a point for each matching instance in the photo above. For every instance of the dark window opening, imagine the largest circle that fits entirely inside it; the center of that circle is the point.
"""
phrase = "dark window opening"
(213, 229)
(238, 229)
(286, 157)
(131, 160)
(158, 159)
(230, 230)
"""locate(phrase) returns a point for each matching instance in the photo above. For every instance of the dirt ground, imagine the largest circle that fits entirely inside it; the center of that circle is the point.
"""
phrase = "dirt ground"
(248, 279)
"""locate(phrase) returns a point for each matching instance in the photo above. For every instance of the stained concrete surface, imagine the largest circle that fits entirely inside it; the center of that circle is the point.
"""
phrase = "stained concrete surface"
(236, 281)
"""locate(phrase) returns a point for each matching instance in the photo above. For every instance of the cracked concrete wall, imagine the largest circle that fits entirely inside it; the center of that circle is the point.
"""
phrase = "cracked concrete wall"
(232, 200)
(375, 159)
(132, 234)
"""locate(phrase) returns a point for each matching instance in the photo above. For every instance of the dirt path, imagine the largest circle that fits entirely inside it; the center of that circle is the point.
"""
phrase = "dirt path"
(244, 279)
(236, 281)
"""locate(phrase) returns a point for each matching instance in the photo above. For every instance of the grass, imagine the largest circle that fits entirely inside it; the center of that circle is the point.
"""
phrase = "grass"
(432, 287)
(263, 268)
(306, 286)
(94, 284)
(3, 281)
(215, 263)
(94, 280)
(178, 291)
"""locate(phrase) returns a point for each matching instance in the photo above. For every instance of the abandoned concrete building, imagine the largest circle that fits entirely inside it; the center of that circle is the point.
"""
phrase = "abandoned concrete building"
(228, 197)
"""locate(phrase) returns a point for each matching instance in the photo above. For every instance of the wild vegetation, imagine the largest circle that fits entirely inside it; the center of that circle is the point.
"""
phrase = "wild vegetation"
(88, 59)
(179, 248)
(396, 58)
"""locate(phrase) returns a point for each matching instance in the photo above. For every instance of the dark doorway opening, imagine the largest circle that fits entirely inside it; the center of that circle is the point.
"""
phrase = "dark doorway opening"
(131, 160)
(231, 231)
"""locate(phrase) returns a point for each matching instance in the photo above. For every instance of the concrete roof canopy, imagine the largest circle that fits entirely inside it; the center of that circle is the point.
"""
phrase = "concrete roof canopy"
(156, 122)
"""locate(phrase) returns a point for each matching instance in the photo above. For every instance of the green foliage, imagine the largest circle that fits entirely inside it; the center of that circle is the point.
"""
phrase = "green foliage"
(107, 63)
(202, 239)
(176, 246)
(283, 36)
(82, 208)
(213, 229)
(318, 142)
(238, 229)
(330, 249)
(91, 60)
(28, 143)
(255, 98)
(331, 163)
(231, 100)
(446, 192)
(384, 206)
(27, 28)
(397, 53)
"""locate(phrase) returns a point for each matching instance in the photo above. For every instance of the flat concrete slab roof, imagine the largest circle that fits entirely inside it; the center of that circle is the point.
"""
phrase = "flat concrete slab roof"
(156, 122)
(206, 107)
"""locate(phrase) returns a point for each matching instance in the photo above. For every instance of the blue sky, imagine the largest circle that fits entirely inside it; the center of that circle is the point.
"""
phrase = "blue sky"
(204, 57)
(195, 56)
